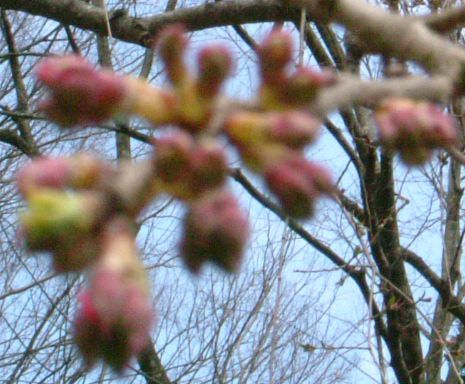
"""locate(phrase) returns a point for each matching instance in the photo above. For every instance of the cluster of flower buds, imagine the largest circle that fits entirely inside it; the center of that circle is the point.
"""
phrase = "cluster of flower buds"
(414, 129)
(187, 168)
(81, 171)
(115, 314)
(194, 171)
(281, 89)
(215, 230)
(272, 144)
(80, 95)
(81, 208)
(66, 208)
(195, 94)
(70, 215)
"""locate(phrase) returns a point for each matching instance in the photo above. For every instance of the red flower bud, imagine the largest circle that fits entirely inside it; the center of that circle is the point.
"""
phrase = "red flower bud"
(215, 230)
(215, 63)
(114, 319)
(79, 94)
(172, 43)
(414, 129)
(275, 53)
(297, 183)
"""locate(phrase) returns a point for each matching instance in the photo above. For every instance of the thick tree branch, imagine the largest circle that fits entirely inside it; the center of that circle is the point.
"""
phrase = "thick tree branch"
(142, 30)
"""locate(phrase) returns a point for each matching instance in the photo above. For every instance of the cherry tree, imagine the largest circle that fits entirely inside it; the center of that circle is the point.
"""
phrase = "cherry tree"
(387, 95)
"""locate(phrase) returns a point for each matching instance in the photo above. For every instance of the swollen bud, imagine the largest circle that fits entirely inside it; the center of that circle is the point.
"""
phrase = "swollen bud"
(188, 169)
(116, 314)
(298, 183)
(414, 129)
(295, 129)
(172, 43)
(79, 94)
(215, 63)
(303, 85)
(114, 320)
(215, 230)
(275, 53)
(209, 168)
(81, 171)
(172, 157)
(43, 172)
(64, 224)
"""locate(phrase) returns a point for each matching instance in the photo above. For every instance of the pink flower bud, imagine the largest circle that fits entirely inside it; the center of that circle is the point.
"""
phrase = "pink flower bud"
(414, 129)
(172, 43)
(114, 319)
(297, 183)
(186, 168)
(215, 230)
(303, 85)
(215, 63)
(79, 94)
(275, 53)
(295, 129)
(173, 157)
(81, 171)
(209, 169)
(88, 171)
(43, 172)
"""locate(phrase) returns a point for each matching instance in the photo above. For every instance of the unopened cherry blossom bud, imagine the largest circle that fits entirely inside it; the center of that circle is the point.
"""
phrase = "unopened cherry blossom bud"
(188, 169)
(215, 230)
(80, 94)
(116, 314)
(246, 128)
(62, 223)
(81, 171)
(295, 129)
(215, 63)
(172, 43)
(209, 168)
(114, 319)
(414, 129)
(303, 85)
(275, 53)
(88, 171)
(298, 183)
(173, 157)
(43, 172)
